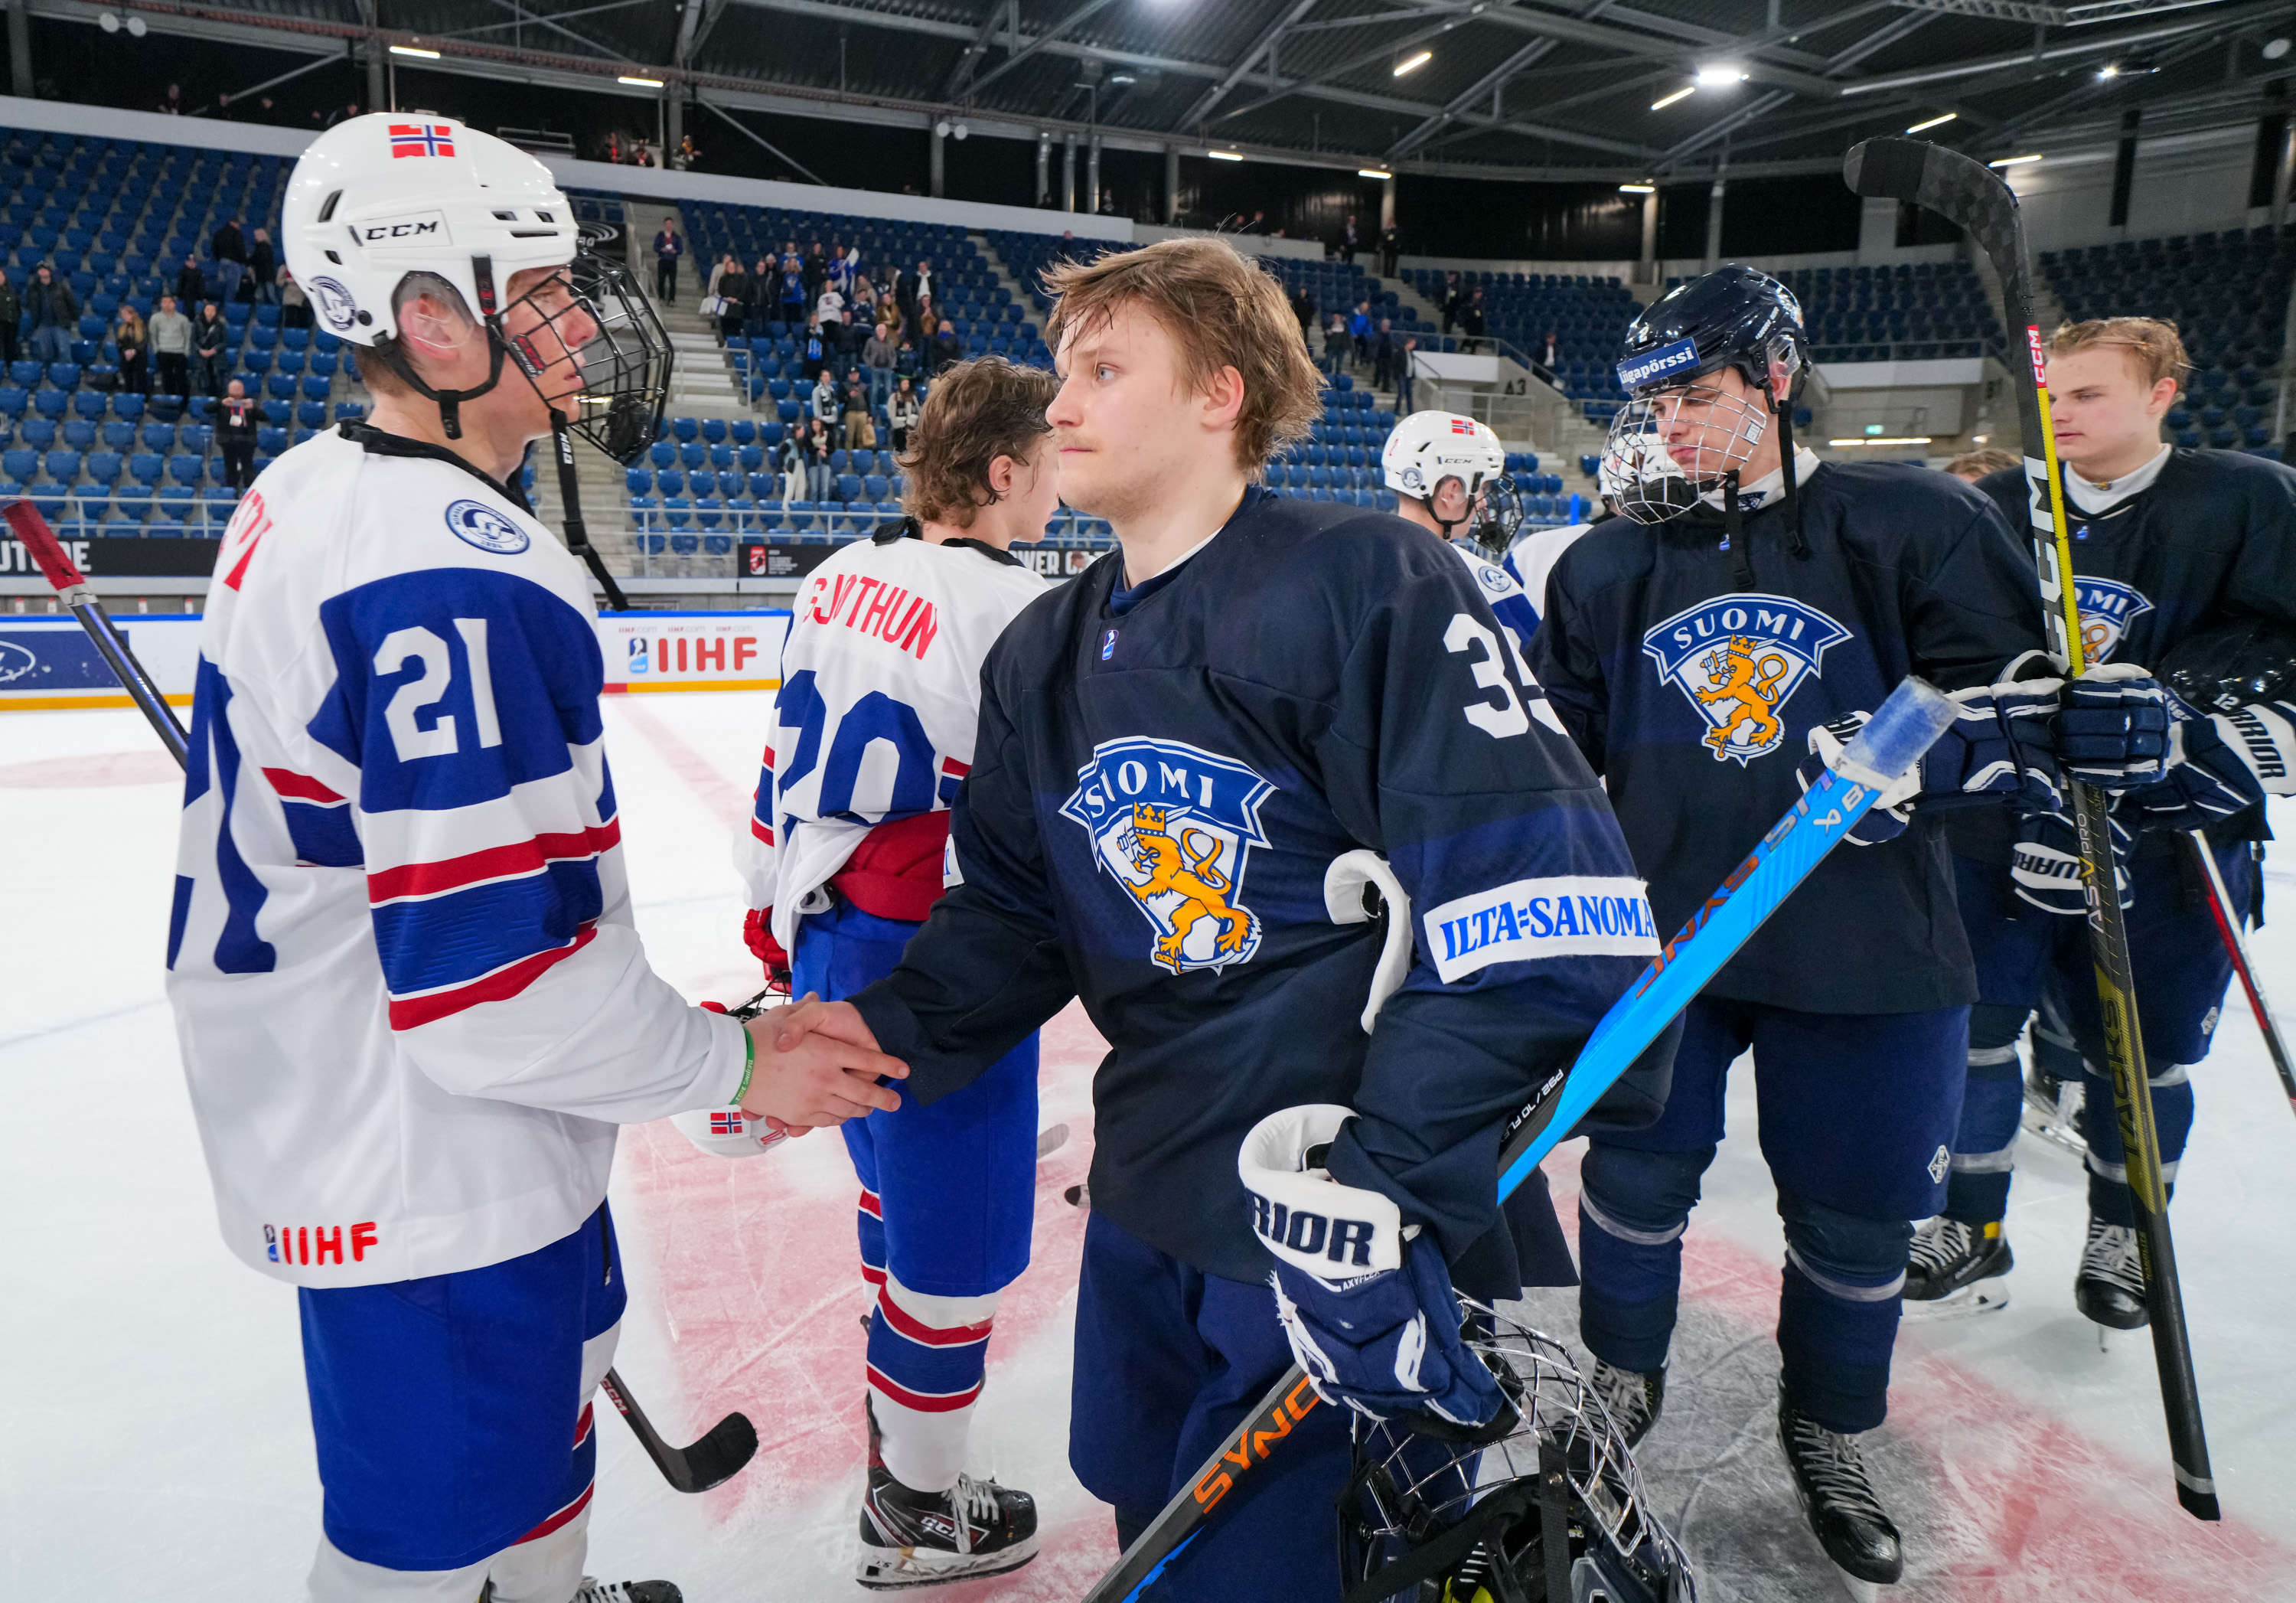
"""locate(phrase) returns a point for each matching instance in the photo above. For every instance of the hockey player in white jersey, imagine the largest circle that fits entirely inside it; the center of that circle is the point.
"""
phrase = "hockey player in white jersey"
(412, 1005)
(1449, 476)
(873, 733)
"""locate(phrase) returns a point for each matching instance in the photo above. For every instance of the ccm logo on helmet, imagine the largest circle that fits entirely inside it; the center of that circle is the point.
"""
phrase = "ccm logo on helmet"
(1311, 1233)
(422, 225)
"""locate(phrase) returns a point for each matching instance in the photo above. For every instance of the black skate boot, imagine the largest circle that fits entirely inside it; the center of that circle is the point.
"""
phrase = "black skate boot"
(1634, 1400)
(627, 1592)
(2109, 1288)
(1829, 1478)
(911, 1538)
(1950, 1261)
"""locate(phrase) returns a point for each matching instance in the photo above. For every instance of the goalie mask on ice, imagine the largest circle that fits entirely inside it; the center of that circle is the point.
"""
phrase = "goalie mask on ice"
(377, 199)
(1544, 1503)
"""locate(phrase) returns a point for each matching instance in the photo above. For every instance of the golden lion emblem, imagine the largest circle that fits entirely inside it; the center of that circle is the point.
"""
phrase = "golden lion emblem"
(1182, 868)
(1746, 683)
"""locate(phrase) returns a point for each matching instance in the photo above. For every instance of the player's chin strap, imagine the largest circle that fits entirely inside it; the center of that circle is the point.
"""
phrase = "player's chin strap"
(1789, 490)
(570, 496)
(449, 401)
(1734, 527)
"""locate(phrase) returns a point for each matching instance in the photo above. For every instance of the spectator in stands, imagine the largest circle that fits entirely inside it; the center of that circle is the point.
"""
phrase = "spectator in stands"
(51, 315)
(641, 155)
(1548, 355)
(1108, 203)
(906, 362)
(171, 103)
(236, 419)
(812, 352)
(1335, 342)
(171, 346)
(845, 270)
(1390, 248)
(613, 148)
(212, 350)
(861, 303)
(12, 313)
(860, 426)
(1404, 375)
(190, 282)
(1383, 355)
(946, 350)
(294, 306)
(877, 354)
(792, 286)
(912, 290)
(1259, 223)
(1348, 240)
(920, 324)
(135, 347)
(733, 290)
(816, 266)
(1359, 330)
(902, 412)
(1448, 301)
(764, 281)
(1303, 307)
(823, 405)
(229, 248)
(263, 267)
(1973, 466)
(829, 311)
(668, 246)
(689, 155)
(820, 480)
(790, 463)
(1470, 321)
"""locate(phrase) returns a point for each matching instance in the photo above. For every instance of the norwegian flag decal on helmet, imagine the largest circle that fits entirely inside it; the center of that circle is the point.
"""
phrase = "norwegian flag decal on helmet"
(422, 139)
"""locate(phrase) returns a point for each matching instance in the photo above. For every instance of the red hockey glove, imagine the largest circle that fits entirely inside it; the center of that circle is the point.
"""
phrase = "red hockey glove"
(758, 932)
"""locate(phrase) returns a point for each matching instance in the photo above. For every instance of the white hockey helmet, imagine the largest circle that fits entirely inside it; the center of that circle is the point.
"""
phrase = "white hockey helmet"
(377, 197)
(1427, 448)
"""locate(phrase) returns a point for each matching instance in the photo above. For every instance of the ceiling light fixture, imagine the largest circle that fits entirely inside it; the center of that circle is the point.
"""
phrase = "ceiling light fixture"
(1372, 172)
(1637, 189)
(2012, 161)
(1883, 440)
(1223, 156)
(639, 83)
(1933, 122)
(415, 51)
(1720, 75)
(1684, 92)
(2108, 71)
(1412, 63)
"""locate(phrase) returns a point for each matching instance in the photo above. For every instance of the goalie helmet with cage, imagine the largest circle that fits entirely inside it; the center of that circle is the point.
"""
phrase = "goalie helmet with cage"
(1682, 435)
(1427, 448)
(1543, 1505)
(384, 206)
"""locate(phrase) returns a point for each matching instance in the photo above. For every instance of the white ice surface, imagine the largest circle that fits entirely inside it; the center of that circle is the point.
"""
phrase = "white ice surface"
(154, 1442)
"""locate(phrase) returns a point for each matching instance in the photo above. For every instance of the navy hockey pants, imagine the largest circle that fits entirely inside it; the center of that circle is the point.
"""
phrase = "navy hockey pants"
(1856, 1112)
(1169, 1359)
(2026, 957)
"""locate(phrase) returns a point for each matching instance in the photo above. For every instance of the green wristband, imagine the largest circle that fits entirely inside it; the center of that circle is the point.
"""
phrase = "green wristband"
(749, 1063)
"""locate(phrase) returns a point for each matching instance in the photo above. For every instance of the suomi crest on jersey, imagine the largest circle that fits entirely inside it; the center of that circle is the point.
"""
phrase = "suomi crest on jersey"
(1739, 659)
(2107, 608)
(1174, 825)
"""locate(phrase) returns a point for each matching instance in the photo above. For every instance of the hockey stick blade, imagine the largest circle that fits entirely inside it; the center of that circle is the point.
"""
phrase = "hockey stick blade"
(712, 1461)
(1905, 725)
(1975, 197)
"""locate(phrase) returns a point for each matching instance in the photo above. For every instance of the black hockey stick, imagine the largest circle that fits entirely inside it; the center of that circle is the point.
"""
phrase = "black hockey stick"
(1970, 194)
(2228, 931)
(731, 1441)
(1902, 727)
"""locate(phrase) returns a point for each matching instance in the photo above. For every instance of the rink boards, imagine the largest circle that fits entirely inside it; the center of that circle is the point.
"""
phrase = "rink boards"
(48, 661)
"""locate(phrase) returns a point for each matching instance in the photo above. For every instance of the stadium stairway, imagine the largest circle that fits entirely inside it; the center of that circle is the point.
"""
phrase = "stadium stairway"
(1005, 275)
(701, 383)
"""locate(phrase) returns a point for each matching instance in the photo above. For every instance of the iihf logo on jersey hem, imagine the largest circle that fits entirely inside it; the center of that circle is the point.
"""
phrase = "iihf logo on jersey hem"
(2107, 608)
(482, 526)
(1739, 659)
(1174, 825)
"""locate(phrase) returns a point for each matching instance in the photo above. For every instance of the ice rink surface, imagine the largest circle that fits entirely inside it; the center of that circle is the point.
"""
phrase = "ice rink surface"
(154, 1443)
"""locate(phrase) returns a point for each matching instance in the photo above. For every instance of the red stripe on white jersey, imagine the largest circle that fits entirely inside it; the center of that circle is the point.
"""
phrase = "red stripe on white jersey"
(871, 1205)
(512, 861)
(874, 1275)
(762, 830)
(906, 1324)
(924, 1402)
(952, 767)
(507, 981)
(582, 1427)
(300, 788)
(558, 1519)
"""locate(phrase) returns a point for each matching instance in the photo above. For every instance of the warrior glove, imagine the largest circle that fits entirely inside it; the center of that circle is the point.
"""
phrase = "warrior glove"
(2218, 766)
(2002, 746)
(1370, 1318)
(2112, 729)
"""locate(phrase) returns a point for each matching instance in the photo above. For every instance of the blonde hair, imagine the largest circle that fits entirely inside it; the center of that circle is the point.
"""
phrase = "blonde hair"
(1221, 311)
(2153, 345)
(978, 411)
(1985, 459)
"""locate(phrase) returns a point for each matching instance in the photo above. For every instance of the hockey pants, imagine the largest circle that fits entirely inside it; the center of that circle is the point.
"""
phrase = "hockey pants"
(1855, 1114)
(2027, 959)
(947, 1202)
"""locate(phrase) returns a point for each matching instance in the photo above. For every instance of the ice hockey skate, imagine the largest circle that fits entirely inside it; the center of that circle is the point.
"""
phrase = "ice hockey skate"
(1954, 1270)
(1829, 1478)
(2053, 1109)
(911, 1538)
(1634, 1400)
(2109, 1288)
(595, 1591)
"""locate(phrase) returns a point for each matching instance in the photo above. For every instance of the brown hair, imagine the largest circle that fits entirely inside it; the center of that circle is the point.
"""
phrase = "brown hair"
(1985, 459)
(2153, 343)
(1221, 311)
(978, 411)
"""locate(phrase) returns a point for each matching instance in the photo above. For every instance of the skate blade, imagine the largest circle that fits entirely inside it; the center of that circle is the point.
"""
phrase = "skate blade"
(897, 1569)
(2048, 1129)
(1985, 1296)
(1050, 1141)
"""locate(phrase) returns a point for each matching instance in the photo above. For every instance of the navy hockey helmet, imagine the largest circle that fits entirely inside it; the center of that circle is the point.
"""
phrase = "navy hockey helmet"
(2232, 665)
(1731, 318)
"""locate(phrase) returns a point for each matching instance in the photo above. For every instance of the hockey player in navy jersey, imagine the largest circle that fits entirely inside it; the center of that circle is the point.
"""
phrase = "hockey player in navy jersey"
(872, 734)
(2169, 546)
(1190, 760)
(411, 1006)
(1747, 597)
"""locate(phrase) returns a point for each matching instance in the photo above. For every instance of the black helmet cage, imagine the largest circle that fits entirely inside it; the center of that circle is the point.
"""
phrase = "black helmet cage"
(1501, 509)
(1467, 1513)
(621, 386)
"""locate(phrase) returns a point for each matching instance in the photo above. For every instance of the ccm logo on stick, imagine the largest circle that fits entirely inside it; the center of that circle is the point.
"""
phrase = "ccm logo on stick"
(1311, 1233)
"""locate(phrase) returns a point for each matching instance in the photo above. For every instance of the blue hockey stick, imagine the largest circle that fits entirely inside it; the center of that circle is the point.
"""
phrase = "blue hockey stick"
(1885, 749)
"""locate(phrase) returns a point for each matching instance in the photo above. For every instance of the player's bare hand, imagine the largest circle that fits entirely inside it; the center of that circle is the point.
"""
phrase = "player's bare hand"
(809, 1014)
(818, 1079)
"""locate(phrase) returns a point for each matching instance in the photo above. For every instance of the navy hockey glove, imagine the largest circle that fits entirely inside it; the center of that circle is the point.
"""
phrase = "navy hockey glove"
(2047, 869)
(2218, 766)
(1375, 1324)
(2002, 746)
(2113, 728)
(1886, 820)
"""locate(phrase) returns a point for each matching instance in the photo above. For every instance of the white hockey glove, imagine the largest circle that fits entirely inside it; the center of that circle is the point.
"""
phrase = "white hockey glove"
(727, 1132)
(2218, 766)
(1373, 1321)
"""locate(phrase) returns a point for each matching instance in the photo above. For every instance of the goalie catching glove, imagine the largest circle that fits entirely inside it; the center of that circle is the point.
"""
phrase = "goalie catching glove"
(1372, 1319)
